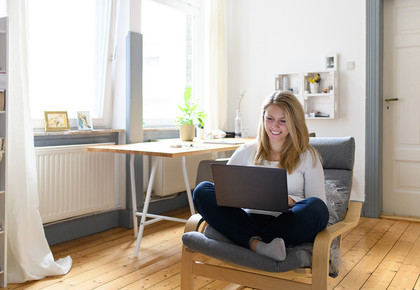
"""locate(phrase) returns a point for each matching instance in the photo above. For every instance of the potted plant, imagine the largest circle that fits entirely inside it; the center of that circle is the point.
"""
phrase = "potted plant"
(190, 116)
(314, 84)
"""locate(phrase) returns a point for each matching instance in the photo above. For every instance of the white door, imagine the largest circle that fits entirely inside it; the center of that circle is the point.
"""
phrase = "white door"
(401, 118)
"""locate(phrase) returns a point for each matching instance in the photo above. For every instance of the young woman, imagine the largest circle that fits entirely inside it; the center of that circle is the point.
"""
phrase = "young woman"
(282, 141)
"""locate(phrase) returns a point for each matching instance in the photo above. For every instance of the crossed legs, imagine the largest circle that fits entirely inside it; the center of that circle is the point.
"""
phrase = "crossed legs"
(301, 224)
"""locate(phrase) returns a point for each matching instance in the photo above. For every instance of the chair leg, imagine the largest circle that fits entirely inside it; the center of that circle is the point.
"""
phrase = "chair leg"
(320, 263)
(319, 279)
(187, 279)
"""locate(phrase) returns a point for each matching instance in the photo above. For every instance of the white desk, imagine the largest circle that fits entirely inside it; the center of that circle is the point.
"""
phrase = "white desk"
(157, 150)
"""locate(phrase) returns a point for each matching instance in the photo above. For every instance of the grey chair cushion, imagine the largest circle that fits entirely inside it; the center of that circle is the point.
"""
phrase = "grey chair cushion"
(231, 253)
(336, 152)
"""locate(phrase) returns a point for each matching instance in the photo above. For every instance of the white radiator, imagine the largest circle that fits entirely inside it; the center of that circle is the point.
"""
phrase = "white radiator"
(74, 182)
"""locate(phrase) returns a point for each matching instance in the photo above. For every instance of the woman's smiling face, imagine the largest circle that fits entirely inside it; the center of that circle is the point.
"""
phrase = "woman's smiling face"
(275, 124)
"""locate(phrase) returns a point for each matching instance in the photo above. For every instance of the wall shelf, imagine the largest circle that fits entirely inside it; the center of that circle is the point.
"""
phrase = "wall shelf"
(319, 105)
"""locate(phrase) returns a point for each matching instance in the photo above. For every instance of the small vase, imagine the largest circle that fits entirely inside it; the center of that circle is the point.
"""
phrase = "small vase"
(200, 133)
(314, 88)
(238, 124)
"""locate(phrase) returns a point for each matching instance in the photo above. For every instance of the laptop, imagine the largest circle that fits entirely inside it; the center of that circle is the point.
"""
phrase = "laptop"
(253, 187)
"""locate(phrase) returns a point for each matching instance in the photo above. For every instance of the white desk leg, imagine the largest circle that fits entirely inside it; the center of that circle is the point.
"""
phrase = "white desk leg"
(133, 194)
(146, 204)
(187, 186)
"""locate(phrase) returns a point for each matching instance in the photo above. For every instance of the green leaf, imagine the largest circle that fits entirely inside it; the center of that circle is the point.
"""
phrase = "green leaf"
(187, 95)
(189, 113)
(194, 107)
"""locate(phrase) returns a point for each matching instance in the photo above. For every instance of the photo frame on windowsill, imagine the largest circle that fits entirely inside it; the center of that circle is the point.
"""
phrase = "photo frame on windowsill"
(56, 121)
(84, 121)
(331, 62)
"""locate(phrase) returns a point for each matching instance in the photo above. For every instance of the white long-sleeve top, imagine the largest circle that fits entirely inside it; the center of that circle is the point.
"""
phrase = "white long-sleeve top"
(307, 180)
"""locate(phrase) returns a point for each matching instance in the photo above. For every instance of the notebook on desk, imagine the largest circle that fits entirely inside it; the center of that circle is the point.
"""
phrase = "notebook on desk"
(253, 187)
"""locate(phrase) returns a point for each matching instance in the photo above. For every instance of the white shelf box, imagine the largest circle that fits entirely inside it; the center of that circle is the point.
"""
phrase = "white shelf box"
(289, 82)
(322, 105)
(328, 80)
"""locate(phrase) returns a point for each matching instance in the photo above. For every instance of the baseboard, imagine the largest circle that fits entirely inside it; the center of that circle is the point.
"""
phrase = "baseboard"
(76, 228)
(67, 230)
(400, 218)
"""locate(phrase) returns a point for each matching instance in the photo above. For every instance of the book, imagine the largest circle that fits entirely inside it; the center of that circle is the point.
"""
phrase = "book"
(2, 99)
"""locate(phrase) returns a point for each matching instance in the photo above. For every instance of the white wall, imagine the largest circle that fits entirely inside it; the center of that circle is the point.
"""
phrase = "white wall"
(267, 37)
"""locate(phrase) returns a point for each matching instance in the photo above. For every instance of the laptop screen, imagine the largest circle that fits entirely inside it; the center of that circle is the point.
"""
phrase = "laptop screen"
(253, 187)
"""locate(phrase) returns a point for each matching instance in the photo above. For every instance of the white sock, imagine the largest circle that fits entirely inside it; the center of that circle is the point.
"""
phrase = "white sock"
(275, 249)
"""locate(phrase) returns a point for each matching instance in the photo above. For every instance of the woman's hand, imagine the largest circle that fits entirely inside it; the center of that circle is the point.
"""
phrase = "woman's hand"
(291, 201)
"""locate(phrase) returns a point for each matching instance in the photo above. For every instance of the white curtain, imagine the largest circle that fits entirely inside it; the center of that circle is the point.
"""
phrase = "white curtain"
(218, 66)
(3, 8)
(29, 256)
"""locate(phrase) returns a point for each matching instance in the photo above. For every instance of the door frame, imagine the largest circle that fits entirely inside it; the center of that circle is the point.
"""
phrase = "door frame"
(374, 110)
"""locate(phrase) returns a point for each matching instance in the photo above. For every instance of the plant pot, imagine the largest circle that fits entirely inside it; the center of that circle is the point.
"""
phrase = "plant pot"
(186, 132)
(314, 88)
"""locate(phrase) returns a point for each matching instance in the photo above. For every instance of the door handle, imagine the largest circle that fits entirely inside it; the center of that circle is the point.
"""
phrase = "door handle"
(390, 100)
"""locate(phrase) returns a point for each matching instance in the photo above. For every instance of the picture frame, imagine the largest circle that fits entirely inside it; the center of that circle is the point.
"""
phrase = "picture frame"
(84, 121)
(331, 62)
(56, 121)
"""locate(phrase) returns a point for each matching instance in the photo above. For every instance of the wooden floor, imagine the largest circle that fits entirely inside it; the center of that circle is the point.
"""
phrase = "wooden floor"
(378, 254)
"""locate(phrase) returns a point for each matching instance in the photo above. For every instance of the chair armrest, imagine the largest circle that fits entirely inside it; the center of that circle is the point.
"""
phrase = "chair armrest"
(322, 244)
(194, 223)
(350, 221)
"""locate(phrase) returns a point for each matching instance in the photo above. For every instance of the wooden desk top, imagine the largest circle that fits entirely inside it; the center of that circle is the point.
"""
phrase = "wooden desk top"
(166, 148)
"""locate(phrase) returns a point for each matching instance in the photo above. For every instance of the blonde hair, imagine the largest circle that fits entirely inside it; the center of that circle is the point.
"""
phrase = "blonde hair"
(297, 141)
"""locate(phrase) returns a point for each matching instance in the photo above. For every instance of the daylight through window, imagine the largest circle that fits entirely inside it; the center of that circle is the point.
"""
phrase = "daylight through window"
(67, 55)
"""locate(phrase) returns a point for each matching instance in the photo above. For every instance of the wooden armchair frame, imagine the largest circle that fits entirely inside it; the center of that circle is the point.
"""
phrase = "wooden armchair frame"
(194, 263)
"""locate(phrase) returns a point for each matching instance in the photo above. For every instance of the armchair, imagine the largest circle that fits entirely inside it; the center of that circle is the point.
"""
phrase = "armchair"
(235, 264)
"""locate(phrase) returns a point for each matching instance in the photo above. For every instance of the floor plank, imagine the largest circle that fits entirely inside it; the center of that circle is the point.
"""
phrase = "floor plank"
(408, 274)
(366, 235)
(392, 263)
(377, 254)
(374, 257)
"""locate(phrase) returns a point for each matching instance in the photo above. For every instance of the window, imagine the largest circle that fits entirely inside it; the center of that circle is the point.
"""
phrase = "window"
(67, 57)
(171, 49)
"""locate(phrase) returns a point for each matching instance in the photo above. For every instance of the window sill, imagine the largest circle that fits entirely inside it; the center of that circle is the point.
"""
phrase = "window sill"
(160, 133)
(77, 132)
(76, 137)
(59, 137)
(160, 129)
